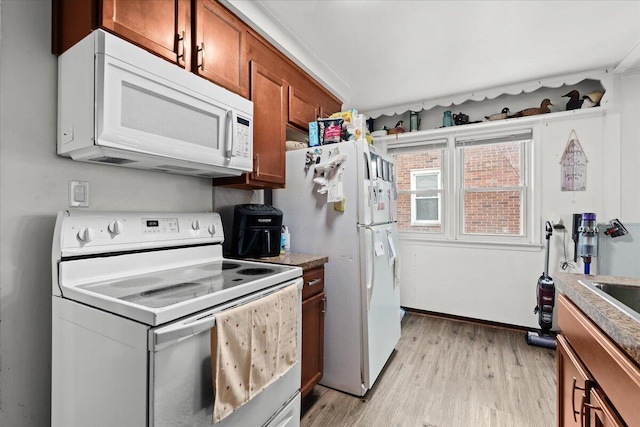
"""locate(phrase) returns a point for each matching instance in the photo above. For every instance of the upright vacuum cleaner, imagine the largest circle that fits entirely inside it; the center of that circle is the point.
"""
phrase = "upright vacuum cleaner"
(546, 292)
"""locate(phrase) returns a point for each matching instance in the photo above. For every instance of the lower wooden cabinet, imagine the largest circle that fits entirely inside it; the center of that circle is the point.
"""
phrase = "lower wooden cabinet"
(601, 414)
(573, 386)
(598, 384)
(313, 311)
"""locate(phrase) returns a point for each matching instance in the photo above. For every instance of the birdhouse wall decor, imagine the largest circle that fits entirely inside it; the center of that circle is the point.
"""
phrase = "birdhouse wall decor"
(574, 165)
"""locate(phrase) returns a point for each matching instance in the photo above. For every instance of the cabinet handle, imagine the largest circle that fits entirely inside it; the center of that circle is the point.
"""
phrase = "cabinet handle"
(200, 50)
(180, 47)
(583, 411)
(573, 400)
(324, 305)
(314, 282)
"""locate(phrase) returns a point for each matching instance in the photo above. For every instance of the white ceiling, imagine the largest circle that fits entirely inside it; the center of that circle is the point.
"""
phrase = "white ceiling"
(388, 53)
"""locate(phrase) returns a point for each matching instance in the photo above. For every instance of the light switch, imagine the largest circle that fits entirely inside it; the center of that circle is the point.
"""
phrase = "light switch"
(79, 194)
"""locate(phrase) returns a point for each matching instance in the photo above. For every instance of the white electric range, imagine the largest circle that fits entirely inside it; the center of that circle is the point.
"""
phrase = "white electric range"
(134, 298)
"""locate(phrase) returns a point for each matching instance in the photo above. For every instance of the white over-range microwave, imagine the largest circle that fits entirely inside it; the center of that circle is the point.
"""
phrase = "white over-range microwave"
(121, 105)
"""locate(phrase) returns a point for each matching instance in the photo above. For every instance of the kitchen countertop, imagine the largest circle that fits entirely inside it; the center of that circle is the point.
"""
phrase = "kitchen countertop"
(619, 326)
(304, 261)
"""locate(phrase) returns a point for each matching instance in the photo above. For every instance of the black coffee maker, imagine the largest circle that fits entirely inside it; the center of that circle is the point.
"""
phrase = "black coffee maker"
(256, 231)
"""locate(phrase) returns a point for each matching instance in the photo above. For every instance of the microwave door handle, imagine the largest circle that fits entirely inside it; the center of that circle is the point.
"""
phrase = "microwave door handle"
(230, 134)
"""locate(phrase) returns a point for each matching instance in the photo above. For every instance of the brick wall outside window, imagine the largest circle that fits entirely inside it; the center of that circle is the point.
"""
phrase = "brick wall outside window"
(486, 166)
(491, 166)
(405, 163)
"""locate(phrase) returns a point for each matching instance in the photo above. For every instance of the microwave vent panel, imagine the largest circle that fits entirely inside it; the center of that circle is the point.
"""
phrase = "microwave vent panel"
(111, 160)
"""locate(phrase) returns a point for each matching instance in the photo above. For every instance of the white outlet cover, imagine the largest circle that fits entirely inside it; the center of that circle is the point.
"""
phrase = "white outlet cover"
(78, 194)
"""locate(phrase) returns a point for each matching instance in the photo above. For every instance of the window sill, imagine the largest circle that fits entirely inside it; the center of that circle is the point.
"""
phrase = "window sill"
(428, 240)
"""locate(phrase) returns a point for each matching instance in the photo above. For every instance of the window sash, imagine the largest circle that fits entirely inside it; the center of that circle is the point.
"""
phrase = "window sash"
(463, 231)
(452, 193)
(434, 194)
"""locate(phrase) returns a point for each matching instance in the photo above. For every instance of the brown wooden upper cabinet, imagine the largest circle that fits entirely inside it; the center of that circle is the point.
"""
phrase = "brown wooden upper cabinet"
(269, 96)
(219, 53)
(302, 109)
(216, 50)
(162, 27)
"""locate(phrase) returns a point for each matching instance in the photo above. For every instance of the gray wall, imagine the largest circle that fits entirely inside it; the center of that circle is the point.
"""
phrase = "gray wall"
(33, 187)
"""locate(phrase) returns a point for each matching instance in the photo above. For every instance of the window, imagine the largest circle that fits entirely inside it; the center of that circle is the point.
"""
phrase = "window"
(471, 188)
(425, 203)
(420, 186)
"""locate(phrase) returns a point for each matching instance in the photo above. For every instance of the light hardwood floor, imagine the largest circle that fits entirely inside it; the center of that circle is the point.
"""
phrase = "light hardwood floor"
(448, 373)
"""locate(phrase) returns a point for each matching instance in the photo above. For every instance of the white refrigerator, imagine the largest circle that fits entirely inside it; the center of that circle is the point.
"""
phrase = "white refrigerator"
(362, 318)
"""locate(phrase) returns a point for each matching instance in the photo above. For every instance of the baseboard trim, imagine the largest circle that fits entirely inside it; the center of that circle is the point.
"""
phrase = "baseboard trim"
(467, 320)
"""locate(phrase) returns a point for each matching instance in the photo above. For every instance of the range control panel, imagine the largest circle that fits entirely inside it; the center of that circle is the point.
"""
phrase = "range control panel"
(83, 232)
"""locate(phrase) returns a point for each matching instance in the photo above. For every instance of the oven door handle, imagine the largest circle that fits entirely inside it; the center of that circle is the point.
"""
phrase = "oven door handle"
(173, 334)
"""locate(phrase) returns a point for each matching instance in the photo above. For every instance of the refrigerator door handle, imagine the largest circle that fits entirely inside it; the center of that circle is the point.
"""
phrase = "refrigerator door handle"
(371, 264)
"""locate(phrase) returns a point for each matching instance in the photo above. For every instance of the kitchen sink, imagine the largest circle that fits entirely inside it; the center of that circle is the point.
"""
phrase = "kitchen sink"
(629, 295)
(624, 296)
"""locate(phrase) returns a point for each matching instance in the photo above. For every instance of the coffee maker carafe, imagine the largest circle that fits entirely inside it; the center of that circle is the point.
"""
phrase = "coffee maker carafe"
(256, 231)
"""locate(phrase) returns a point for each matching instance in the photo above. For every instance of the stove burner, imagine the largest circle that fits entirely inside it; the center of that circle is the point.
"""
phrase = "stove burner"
(229, 265)
(136, 281)
(255, 271)
(151, 292)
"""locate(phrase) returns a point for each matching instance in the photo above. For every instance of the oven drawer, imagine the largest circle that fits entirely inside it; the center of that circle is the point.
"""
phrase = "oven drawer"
(289, 416)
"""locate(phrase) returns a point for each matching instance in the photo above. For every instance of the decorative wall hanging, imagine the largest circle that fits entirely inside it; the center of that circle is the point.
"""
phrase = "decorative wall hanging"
(574, 165)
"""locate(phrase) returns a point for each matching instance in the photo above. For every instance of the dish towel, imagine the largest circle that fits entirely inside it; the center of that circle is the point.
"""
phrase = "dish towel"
(252, 346)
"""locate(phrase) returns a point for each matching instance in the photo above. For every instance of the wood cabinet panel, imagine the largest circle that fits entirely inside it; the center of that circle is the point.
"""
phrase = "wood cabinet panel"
(601, 414)
(162, 27)
(302, 109)
(312, 342)
(268, 93)
(219, 53)
(149, 24)
(313, 282)
(573, 386)
(614, 372)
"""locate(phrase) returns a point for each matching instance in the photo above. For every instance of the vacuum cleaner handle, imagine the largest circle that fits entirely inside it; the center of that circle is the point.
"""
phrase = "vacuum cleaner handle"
(549, 229)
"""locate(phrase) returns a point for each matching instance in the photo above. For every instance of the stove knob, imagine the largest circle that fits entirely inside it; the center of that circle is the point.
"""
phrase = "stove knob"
(196, 225)
(212, 229)
(115, 227)
(86, 234)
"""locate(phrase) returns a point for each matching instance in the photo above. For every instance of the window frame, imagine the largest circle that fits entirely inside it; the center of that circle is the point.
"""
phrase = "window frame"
(523, 188)
(451, 202)
(426, 194)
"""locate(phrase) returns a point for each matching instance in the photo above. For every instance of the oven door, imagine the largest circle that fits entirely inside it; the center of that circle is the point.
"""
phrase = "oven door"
(180, 381)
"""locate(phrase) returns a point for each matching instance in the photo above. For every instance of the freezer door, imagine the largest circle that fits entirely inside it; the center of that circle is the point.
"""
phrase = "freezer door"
(380, 193)
(381, 297)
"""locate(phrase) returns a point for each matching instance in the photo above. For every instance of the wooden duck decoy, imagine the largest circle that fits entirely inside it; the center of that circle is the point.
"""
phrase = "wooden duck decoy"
(543, 109)
(499, 116)
(574, 100)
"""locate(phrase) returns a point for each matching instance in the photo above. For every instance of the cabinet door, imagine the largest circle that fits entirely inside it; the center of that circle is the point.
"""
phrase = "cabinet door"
(269, 96)
(302, 109)
(601, 414)
(312, 341)
(220, 46)
(152, 25)
(573, 386)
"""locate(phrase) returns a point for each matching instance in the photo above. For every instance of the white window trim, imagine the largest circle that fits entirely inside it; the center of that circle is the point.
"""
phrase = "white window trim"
(451, 174)
(524, 188)
(432, 194)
